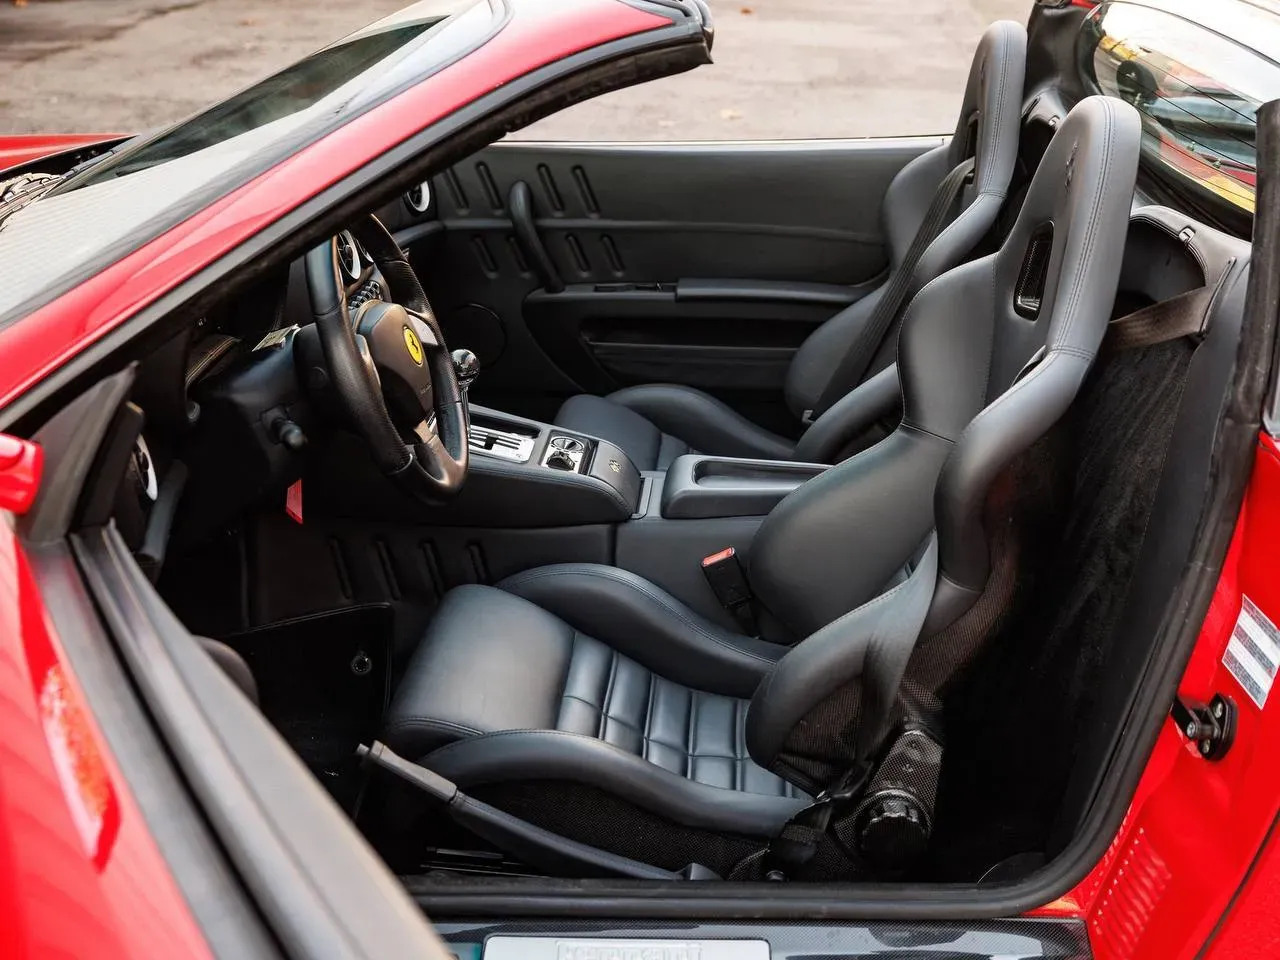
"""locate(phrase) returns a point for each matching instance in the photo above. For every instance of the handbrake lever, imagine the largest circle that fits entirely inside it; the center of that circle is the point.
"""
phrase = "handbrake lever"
(525, 841)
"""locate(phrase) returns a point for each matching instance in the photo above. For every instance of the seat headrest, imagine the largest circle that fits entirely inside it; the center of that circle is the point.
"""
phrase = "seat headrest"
(991, 112)
(1061, 260)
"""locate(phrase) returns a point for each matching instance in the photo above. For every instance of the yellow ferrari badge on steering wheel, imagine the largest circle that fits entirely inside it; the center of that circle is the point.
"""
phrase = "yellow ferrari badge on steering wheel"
(413, 344)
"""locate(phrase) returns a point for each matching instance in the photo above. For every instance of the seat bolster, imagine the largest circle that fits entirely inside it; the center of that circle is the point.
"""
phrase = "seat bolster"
(489, 661)
(703, 422)
(868, 646)
(851, 417)
(541, 755)
(642, 621)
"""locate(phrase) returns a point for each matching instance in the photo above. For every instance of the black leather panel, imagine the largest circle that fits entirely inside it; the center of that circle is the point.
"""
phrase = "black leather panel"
(495, 669)
(489, 662)
(848, 419)
(557, 755)
(1083, 188)
(706, 424)
(647, 624)
(868, 648)
(656, 423)
(836, 541)
(700, 736)
(646, 446)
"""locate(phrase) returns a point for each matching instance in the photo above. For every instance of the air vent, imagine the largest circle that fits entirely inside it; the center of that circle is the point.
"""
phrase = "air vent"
(418, 199)
(349, 256)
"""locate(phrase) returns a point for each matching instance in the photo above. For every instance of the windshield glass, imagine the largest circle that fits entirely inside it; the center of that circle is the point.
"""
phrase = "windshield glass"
(156, 181)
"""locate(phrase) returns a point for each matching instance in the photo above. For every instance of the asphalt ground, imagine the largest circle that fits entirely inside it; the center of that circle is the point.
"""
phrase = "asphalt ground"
(783, 68)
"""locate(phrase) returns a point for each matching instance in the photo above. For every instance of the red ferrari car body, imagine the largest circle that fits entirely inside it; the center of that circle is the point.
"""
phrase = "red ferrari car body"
(1192, 870)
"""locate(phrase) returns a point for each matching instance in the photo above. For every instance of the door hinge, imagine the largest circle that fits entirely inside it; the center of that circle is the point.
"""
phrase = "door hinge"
(1211, 727)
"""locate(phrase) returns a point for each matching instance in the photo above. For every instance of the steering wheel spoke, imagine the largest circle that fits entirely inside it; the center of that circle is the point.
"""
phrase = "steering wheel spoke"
(391, 368)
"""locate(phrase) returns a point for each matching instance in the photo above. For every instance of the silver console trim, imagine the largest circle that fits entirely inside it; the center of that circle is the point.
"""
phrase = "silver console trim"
(561, 446)
(503, 444)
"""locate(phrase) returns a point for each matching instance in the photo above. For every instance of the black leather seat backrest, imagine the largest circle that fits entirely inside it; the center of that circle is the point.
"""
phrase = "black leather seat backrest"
(1047, 296)
(987, 130)
(984, 371)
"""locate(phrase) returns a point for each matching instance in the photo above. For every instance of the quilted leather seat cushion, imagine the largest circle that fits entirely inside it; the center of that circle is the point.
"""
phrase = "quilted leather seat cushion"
(493, 662)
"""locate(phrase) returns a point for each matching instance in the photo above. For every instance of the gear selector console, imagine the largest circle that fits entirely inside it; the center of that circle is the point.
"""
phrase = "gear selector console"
(564, 453)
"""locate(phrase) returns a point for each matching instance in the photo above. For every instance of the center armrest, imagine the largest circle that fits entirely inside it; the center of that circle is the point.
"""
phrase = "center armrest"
(698, 487)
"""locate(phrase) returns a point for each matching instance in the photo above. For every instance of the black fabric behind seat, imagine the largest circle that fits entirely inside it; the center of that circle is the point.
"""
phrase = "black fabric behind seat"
(1018, 713)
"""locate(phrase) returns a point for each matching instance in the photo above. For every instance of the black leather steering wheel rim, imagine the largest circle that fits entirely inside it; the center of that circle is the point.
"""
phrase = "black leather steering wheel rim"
(433, 466)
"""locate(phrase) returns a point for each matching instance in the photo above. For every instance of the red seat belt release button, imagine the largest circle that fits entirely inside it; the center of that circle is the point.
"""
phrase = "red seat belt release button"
(728, 582)
(293, 501)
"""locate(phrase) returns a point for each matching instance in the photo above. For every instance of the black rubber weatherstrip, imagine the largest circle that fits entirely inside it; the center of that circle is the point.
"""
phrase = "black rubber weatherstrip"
(543, 92)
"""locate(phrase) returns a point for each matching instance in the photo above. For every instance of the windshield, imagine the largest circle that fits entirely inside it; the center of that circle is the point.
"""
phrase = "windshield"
(154, 182)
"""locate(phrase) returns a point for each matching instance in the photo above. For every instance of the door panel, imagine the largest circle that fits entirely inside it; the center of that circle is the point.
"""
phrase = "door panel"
(706, 264)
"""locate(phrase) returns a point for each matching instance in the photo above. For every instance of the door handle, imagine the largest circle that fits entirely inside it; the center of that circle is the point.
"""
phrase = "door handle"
(520, 204)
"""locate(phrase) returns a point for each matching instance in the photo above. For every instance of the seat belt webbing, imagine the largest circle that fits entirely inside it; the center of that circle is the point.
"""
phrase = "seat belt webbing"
(853, 365)
(1185, 315)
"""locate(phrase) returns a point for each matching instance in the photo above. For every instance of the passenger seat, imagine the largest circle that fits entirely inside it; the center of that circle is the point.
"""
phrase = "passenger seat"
(655, 423)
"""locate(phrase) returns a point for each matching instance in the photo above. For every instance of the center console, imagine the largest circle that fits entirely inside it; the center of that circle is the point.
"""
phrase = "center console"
(536, 474)
(529, 474)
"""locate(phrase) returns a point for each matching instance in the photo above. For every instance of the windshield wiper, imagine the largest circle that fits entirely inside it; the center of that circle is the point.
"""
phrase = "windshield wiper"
(26, 188)
(22, 190)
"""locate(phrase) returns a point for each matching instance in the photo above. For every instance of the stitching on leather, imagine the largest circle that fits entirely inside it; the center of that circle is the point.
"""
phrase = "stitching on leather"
(739, 743)
(431, 724)
(534, 575)
(1108, 169)
(690, 742)
(710, 404)
(1001, 117)
(648, 716)
(436, 754)
(568, 670)
(603, 724)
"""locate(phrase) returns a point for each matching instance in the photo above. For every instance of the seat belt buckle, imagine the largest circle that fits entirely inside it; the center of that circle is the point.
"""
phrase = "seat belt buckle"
(807, 418)
(728, 582)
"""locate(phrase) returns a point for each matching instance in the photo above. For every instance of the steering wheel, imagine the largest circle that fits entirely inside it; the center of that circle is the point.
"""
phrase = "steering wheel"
(390, 368)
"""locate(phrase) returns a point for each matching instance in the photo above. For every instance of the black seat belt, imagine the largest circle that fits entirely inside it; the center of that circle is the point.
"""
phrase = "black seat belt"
(798, 841)
(853, 365)
(1185, 315)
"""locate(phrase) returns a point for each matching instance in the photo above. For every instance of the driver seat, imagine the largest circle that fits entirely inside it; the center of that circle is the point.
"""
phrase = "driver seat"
(590, 702)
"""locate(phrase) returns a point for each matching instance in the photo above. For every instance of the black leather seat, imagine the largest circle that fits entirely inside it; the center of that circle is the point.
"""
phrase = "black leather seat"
(592, 702)
(655, 423)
